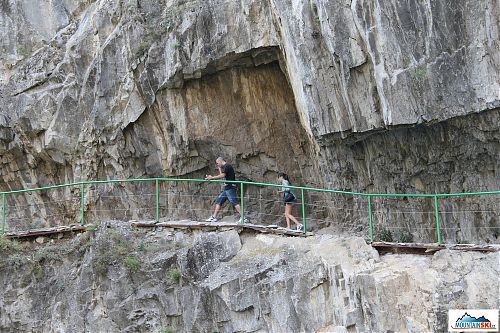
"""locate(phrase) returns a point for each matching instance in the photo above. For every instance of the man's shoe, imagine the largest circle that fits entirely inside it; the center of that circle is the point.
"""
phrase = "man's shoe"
(211, 219)
(300, 227)
(245, 220)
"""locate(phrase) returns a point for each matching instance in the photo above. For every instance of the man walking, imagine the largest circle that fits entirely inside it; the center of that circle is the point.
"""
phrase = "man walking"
(226, 172)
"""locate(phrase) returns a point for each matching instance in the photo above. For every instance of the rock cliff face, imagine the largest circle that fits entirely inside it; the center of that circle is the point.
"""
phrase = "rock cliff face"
(115, 279)
(369, 96)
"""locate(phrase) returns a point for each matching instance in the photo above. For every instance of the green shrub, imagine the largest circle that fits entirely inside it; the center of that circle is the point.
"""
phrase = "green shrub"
(116, 236)
(114, 250)
(91, 228)
(143, 48)
(174, 276)
(54, 252)
(121, 246)
(405, 237)
(132, 263)
(385, 235)
(15, 260)
(83, 242)
(420, 73)
(24, 50)
(38, 271)
(101, 265)
(9, 245)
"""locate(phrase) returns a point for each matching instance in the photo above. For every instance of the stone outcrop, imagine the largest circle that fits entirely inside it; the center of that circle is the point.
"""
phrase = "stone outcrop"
(116, 279)
(374, 97)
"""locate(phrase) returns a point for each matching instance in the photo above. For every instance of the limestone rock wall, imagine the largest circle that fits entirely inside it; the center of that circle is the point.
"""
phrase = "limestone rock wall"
(343, 94)
(115, 279)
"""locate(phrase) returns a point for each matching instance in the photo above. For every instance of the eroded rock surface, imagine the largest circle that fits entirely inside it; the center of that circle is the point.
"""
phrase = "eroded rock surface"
(116, 279)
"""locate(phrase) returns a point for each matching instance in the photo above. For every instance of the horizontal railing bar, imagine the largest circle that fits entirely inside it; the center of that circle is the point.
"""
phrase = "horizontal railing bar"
(251, 183)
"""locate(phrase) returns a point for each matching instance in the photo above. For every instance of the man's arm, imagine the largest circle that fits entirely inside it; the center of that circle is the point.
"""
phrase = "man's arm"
(221, 175)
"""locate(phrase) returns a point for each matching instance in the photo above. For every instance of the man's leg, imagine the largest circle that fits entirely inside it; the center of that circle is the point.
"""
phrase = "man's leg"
(218, 204)
(233, 198)
(216, 210)
(238, 209)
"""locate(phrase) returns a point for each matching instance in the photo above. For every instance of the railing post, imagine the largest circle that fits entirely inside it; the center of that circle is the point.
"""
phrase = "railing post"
(157, 201)
(3, 214)
(370, 217)
(242, 207)
(304, 222)
(436, 207)
(82, 204)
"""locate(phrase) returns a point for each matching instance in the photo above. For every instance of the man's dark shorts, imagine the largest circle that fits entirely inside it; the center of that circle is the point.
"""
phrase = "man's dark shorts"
(228, 194)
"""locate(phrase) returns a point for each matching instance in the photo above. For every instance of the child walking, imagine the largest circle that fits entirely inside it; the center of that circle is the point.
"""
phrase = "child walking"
(289, 200)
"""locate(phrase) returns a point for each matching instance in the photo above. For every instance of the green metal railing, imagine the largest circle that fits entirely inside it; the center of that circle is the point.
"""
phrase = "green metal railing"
(302, 189)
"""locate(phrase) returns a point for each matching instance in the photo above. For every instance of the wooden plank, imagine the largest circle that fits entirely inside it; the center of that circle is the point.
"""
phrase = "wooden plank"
(408, 248)
(218, 225)
(423, 248)
(408, 245)
(478, 248)
(44, 231)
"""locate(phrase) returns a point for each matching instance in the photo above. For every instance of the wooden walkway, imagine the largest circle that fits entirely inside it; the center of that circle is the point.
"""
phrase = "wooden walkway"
(428, 249)
(270, 229)
(209, 226)
(381, 247)
(45, 231)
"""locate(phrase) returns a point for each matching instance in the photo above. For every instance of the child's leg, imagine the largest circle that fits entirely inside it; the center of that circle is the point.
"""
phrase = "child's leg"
(288, 215)
(294, 219)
